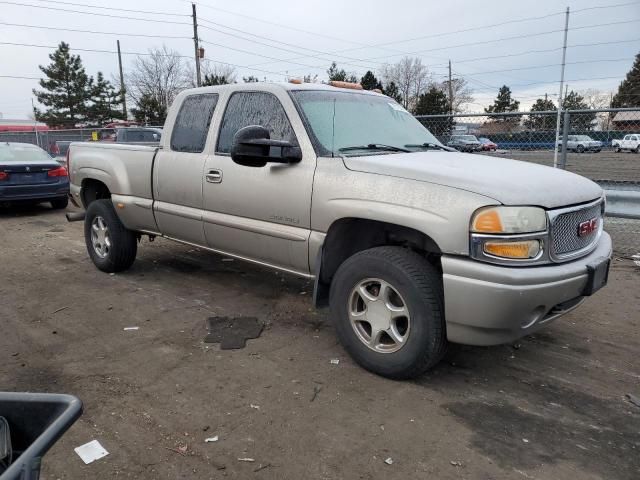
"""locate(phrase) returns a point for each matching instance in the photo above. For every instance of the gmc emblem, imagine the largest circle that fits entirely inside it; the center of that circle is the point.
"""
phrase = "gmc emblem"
(585, 228)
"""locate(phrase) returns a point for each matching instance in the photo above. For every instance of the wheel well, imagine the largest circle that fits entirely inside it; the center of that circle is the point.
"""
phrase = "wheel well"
(93, 190)
(351, 235)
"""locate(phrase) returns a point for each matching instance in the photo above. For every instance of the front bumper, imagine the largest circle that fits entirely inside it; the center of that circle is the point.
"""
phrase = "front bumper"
(489, 304)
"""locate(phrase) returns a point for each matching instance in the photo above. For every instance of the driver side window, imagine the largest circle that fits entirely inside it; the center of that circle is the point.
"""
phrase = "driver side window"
(254, 108)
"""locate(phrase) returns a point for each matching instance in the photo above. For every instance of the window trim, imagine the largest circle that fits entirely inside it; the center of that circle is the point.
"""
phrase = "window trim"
(175, 122)
(226, 107)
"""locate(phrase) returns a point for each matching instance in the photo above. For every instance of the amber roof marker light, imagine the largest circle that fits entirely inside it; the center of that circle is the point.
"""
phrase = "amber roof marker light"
(351, 85)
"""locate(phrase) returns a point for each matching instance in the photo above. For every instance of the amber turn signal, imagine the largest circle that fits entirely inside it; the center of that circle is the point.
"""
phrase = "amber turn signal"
(518, 250)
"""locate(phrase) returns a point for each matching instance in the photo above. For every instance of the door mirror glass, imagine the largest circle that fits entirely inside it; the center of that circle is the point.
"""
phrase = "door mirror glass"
(252, 147)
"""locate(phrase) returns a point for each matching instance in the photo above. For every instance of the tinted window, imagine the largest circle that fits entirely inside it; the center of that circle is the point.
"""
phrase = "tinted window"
(254, 108)
(192, 124)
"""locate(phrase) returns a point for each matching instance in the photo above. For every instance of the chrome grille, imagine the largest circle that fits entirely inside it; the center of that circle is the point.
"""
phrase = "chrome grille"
(565, 240)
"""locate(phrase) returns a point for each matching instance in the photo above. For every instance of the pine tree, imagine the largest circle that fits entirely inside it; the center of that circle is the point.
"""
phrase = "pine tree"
(106, 102)
(541, 122)
(391, 90)
(370, 82)
(214, 79)
(504, 103)
(336, 74)
(629, 90)
(149, 110)
(432, 102)
(435, 102)
(578, 121)
(65, 92)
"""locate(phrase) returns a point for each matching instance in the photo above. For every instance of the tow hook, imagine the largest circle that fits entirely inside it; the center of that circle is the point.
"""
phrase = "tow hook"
(75, 216)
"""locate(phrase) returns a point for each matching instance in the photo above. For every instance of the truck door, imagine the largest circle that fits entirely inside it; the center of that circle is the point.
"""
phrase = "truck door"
(178, 169)
(260, 213)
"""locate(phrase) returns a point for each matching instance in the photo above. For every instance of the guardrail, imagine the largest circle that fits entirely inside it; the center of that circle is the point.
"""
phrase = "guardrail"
(623, 199)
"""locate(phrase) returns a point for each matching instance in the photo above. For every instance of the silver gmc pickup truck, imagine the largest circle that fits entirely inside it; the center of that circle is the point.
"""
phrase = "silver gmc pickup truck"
(411, 245)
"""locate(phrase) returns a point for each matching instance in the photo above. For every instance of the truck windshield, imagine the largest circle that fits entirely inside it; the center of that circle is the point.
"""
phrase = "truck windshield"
(345, 123)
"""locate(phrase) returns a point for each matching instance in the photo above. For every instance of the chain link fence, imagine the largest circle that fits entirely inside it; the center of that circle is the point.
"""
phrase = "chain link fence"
(56, 142)
(588, 144)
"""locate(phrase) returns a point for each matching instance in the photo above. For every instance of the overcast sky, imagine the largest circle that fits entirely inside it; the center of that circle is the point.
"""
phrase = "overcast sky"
(365, 33)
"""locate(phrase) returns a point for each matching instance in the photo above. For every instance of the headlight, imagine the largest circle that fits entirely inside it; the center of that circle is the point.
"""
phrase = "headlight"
(506, 220)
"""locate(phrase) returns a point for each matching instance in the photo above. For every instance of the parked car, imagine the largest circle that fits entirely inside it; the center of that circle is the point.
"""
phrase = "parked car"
(465, 143)
(487, 145)
(140, 135)
(412, 245)
(629, 142)
(59, 150)
(581, 143)
(29, 174)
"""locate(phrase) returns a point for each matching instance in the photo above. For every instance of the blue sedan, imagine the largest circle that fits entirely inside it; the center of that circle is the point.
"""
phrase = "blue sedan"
(29, 174)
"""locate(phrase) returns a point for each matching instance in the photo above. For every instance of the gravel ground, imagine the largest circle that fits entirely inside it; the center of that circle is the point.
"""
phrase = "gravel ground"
(605, 165)
(551, 406)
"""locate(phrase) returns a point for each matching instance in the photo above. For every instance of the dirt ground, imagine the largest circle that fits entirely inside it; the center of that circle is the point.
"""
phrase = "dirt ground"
(552, 406)
(605, 165)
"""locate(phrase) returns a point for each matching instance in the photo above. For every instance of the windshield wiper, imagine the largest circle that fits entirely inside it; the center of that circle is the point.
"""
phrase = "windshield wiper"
(430, 146)
(374, 146)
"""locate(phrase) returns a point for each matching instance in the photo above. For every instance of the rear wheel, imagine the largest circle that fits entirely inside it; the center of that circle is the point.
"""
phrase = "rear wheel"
(111, 246)
(580, 149)
(60, 203)
(638, 149)
(387, 305)
(618, 149)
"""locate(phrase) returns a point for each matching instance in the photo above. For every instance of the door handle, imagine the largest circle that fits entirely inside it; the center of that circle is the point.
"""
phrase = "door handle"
(214, 176)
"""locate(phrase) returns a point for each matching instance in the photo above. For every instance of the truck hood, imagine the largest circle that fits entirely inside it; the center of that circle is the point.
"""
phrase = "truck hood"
(510, 182)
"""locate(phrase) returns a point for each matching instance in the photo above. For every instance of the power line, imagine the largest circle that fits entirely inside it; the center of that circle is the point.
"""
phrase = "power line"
(53, 47)
(119, 34)
(514, 37)
(204, 5)
(534, 67)
(317, 53)
(94, 13)
(118, 9)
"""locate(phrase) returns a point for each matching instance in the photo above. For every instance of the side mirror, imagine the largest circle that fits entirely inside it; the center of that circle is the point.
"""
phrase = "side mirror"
(252, 147)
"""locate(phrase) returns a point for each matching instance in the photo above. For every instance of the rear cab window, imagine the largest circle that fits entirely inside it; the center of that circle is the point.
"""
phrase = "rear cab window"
(254, 108)
(192, 123)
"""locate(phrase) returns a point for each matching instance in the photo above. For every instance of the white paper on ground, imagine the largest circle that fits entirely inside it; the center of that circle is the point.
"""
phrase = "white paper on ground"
(91, 451)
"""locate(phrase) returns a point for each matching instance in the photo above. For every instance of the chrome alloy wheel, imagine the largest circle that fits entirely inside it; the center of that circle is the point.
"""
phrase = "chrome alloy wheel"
(100, 239)
(379, 315)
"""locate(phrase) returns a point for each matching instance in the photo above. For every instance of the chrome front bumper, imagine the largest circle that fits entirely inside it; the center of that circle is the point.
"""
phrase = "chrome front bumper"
(490, 304)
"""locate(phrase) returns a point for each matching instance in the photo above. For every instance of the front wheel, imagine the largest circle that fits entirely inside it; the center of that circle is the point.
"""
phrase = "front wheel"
(618, 149)
(111, 246)
(387, 305)
(638, 149)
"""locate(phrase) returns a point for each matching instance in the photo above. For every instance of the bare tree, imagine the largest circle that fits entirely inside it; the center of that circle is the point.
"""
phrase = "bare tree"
(159, 76)
(461, 93)
(411, 77)
(598, 99)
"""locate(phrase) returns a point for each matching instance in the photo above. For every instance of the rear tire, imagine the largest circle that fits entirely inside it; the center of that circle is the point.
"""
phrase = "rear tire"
(580, 149)
(413, 286)
(111, 246)
(618, 149)
(637, 149)
(60, 203)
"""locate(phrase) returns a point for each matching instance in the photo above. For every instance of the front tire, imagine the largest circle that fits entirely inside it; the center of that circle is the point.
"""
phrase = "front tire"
(111, 246)
(387, 305)
(59, 203)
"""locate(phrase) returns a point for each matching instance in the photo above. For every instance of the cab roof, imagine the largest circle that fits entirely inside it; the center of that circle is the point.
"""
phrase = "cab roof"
(275, 86)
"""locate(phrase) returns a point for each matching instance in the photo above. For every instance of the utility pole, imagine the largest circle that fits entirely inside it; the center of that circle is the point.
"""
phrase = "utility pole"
(122, 90)
(35, 122)
(195, 43)
(450, 91)
(564, 61)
